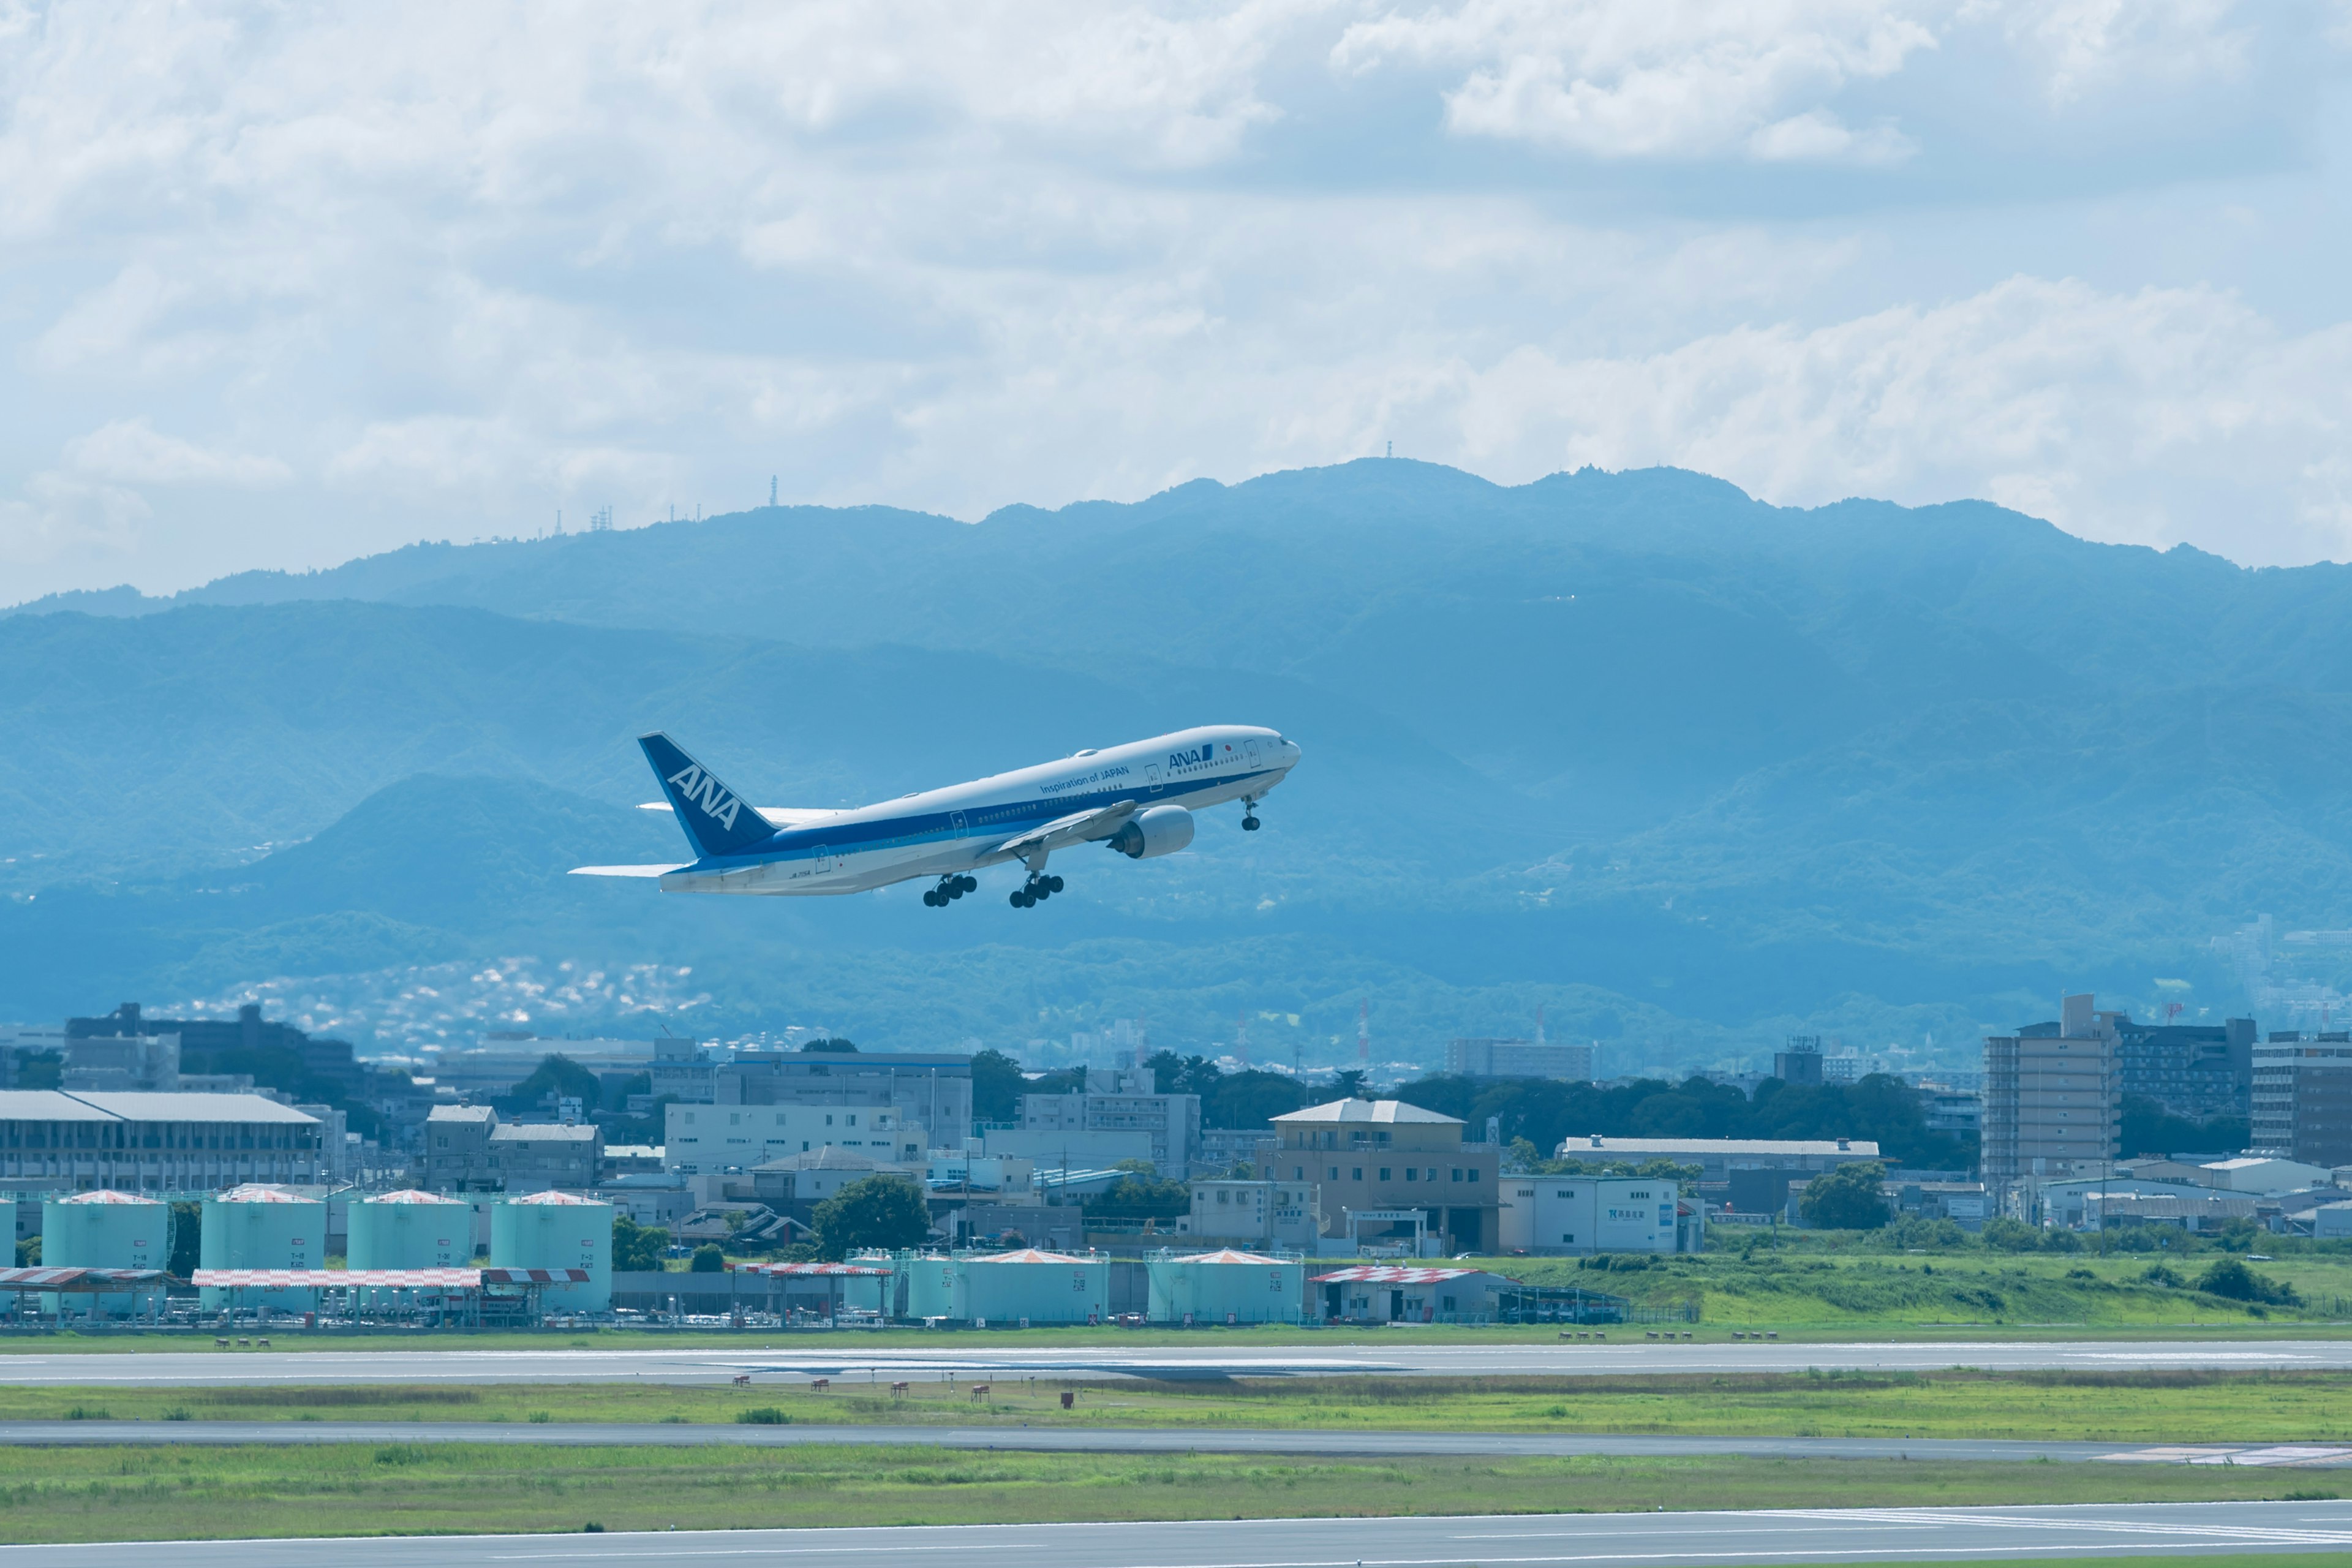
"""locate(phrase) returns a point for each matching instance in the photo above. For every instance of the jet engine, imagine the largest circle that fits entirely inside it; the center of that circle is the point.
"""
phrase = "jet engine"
(1162, 830)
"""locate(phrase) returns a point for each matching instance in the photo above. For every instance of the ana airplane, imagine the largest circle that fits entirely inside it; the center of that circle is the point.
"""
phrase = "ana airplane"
(1136, 799)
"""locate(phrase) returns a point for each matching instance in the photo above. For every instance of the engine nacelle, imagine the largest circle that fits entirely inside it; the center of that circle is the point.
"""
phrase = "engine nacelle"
(1162, 830)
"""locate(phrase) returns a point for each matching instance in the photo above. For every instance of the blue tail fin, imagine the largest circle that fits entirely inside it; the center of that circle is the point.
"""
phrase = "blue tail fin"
(716, 820)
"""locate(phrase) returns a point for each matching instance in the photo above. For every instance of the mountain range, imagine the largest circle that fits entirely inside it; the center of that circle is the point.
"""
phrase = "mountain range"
(1688, 771)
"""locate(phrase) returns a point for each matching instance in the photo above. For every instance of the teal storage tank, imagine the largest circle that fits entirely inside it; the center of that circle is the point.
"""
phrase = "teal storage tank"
(935, 1286)
(557, 1230)
(258, 1227)
(105, 1230)
(1226, 1287)
(1043, 1287)
(410, 1229)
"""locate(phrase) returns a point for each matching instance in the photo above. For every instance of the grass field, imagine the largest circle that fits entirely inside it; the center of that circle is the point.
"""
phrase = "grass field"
(2123, 1407)
(186, 1493)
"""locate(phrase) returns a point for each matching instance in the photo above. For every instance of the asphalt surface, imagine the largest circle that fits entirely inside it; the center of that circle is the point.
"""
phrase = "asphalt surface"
(1594, 1540)
(972, 1355)
(1133, 1440)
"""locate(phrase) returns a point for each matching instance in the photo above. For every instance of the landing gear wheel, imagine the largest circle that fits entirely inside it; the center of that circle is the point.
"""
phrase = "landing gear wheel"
(1249, 824)
(967, 885)
(933, 898)
(1052, 884)
(1021, 900)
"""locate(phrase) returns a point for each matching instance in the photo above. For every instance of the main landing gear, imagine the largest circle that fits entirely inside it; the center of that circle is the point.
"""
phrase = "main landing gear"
(950, 889)
(1249, 814)
(1038, 891)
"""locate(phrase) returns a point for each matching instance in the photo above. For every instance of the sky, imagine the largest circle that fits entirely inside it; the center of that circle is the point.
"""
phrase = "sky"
(284, 285)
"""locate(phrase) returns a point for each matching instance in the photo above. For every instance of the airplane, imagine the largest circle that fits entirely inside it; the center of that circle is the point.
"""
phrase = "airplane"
(1136, 799)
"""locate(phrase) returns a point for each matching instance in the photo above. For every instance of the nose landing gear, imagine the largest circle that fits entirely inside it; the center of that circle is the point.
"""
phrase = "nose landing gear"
(1249, 814)
(1036, 891)
(950, 889)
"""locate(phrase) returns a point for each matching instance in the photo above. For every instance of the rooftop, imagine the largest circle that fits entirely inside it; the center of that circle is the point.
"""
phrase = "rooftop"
(461, 1113)
(542, 1132)
(98, 1105)
(1595, 1143)
(1385, 1111)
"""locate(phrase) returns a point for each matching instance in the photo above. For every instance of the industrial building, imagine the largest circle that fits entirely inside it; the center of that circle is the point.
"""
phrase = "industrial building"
(1225, 1287)
(1256, 1213)
(263, 1227)
(2052, 1100)
(1800, 1063)
(926, 1090)
(553, 1230)
(1395, 1294)
(1519, 1058)
(148, 1142)
(1005, 1288)
(467, 1149)
(1390, 1158)
(1116, 1101)
(1720, 1159)
(703, 1140)
(1584, 1214)
(2303, 1097)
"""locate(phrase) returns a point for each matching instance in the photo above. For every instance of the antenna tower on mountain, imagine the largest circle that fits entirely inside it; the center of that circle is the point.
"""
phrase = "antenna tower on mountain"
(772, 489)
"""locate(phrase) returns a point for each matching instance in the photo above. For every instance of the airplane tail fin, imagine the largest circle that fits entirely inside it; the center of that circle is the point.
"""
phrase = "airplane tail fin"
(716, 819)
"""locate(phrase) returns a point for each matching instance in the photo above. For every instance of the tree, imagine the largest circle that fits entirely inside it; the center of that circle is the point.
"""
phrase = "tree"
(709, 1259)
(836, 1044)
(1847, 1198)
(996, 1087)
(2234, 1281)
(187, 1239)
(874, 1211)
(1141, 1195)
(562, 1077)
(638, 1247)
(1250, 1099)
(1348, 1083)
(2149, 1129)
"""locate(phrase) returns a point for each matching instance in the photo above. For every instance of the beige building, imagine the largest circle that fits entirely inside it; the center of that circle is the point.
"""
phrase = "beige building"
(1257, 1213)
(1387, 1156)
(2052, 1100)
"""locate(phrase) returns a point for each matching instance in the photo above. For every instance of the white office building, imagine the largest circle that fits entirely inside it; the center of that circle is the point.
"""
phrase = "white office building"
(701, 1139)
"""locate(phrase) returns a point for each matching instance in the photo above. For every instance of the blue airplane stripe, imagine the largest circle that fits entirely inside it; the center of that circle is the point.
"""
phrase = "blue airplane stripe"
(1011, 817)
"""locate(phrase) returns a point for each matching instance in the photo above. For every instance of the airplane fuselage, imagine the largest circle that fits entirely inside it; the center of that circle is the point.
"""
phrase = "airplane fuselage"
(964, 827)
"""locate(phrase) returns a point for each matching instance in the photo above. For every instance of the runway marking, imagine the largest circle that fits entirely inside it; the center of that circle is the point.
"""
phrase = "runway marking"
(2268, 1534)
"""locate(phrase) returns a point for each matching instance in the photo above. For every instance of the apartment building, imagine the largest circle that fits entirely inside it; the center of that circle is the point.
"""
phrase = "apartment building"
(2052, 1098)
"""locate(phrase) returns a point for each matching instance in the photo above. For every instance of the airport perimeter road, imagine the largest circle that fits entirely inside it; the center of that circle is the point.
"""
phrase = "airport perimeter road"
(1131, 1440)
(1595, 1541)
(972, 1355)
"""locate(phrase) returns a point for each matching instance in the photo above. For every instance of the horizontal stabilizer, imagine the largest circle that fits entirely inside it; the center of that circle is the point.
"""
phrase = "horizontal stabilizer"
(627, 870)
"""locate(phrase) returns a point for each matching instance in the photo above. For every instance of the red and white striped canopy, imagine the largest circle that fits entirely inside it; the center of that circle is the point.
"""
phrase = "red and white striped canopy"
(295, 1278)
(798, 1270)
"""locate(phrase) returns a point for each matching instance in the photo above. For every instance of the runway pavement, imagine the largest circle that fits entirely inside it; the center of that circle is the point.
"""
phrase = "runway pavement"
(1133, 1440)
(982, 1355)
(1521, 1541)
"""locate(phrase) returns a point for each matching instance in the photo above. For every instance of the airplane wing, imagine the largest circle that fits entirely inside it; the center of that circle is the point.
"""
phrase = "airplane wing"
(627, 870)
(782, 816)
(1079, 827)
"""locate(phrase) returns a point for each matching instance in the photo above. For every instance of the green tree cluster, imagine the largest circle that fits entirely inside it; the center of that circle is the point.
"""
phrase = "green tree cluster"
(2149, 1129)
(638, 1247)
(1848, 1198)
(886, 1211)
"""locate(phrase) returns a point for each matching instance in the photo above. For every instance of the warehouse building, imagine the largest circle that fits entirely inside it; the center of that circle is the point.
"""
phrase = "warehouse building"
(142, 1143)
(1585, 1214)
(1719, 1158)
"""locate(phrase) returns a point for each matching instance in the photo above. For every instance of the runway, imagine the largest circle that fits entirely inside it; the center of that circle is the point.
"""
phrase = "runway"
(1182, 1440)
(974, 1355)
(1521, 1541)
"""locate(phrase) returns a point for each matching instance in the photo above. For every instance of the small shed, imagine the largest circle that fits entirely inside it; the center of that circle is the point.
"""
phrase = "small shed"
(1401, 1293)
(1226, 1287)
(833, 1290)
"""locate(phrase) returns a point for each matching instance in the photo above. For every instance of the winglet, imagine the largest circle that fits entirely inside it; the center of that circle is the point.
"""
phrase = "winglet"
(716, 820)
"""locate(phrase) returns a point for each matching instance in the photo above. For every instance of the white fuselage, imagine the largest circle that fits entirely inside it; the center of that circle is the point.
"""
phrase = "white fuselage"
(964, 826)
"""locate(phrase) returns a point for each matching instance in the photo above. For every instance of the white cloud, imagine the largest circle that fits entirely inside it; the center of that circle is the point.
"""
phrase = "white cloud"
(446, 269)
(131, 452)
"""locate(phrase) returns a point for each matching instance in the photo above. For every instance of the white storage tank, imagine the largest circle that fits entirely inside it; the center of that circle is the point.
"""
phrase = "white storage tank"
(105, 1230)
(557, 1230)
(1226, 1287)
(263, 1227)
(409, 1229)
(1043, 1287)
